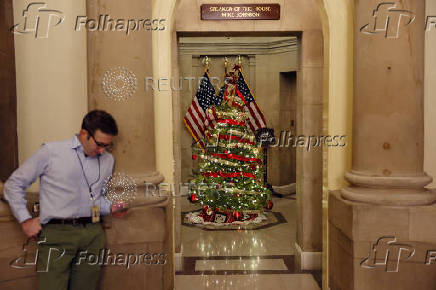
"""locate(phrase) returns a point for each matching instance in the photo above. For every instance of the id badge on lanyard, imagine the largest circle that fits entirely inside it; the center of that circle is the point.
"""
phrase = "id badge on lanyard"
(95, 211)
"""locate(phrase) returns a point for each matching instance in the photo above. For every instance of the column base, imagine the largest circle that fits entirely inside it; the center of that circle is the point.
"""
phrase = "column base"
(395, 191)
(393, 197)
(307, 260)
(153, 177)
(380, 247)
(178, 262)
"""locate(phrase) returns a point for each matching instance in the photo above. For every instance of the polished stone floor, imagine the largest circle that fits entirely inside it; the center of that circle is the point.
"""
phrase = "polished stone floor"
(251, 281)
(243, 259)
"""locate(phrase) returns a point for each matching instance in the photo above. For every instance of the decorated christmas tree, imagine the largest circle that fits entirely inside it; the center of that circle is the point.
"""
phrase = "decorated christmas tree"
(229, 183)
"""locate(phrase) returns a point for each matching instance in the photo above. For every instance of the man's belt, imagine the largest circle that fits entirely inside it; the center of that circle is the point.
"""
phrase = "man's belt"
(75, 221)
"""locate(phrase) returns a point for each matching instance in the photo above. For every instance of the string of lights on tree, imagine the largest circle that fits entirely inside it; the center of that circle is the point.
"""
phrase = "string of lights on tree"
(230, 176)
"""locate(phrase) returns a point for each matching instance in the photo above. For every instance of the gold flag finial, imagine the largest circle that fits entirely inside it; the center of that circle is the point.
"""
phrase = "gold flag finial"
(226, 64)
(206, 62)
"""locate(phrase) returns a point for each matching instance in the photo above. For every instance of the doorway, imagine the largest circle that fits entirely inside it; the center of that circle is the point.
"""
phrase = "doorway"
(327, 67)
(270, 66)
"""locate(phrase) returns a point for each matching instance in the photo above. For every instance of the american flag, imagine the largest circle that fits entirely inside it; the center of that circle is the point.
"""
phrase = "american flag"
(197, 119)
(256, 119)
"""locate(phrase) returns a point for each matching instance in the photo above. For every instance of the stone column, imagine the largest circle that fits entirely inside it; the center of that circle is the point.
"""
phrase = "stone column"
(148, 226)
(388, 133)
(51, 74)
(386, 210)
(108, 50)
(309, 162)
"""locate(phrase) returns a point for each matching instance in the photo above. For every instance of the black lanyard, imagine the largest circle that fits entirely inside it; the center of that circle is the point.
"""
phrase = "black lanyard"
(84, 175)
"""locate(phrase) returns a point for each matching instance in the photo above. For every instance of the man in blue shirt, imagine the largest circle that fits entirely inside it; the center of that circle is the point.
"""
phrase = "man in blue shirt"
(72, 175)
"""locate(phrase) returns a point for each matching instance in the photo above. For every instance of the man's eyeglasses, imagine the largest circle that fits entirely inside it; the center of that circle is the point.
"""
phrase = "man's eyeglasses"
(107, 147)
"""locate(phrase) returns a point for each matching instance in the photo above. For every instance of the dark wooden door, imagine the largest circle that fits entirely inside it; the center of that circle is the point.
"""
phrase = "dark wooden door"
(8, 95)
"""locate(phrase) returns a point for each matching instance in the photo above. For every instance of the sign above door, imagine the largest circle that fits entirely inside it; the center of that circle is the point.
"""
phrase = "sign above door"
(240, 12)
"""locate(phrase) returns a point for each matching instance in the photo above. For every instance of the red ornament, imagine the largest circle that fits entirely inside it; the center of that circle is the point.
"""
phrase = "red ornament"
(209, 217)
(194, 197)
(194, 157)
(230, 218)
(237, 215)
(269, 205)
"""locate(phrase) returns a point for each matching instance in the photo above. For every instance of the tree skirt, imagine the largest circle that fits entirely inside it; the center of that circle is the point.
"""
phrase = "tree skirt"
(220, 221)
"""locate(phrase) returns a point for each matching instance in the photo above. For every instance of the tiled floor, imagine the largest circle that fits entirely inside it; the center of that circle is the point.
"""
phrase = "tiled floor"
(243, 259)
(252, 282)
(276, 240)
(242, 264)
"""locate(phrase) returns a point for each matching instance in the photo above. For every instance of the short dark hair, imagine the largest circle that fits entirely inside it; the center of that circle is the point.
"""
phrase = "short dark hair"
(100, 120)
